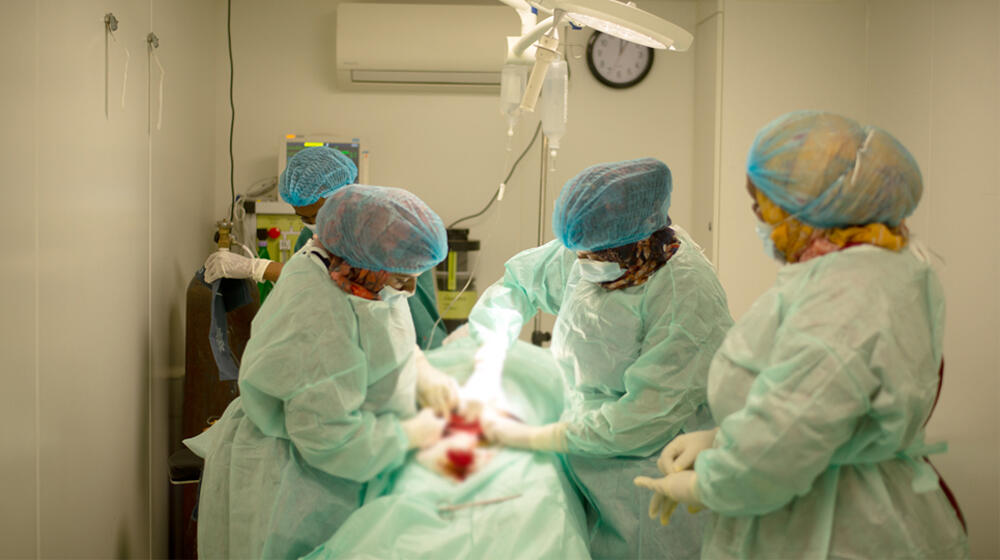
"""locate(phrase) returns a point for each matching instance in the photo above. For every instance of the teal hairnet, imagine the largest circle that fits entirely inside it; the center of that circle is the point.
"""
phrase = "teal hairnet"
(829, 171)
(314, 173)
(381, 228)
(613, 204)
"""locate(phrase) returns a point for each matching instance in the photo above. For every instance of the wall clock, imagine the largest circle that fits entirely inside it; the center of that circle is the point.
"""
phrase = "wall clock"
(617, 63)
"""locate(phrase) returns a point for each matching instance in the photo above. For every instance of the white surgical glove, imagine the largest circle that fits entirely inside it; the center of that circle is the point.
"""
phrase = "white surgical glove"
(679, 454)
(435, 389)
(483, 386)
(224, 264)
(500, 429)
(677, 488)
(424, 429)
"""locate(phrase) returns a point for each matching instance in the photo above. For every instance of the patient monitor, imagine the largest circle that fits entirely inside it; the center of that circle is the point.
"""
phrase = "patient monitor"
(270, 222)
(292, 144)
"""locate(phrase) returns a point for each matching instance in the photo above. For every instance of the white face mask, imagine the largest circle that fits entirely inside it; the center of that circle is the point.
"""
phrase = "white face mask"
(599, 271)
(764, 231)
(391, 295)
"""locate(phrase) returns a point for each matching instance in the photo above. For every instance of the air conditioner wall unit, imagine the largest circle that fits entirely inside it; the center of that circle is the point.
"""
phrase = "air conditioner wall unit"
(422, 47)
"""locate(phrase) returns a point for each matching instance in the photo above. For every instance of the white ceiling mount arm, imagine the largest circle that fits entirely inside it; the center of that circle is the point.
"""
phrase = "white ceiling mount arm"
(546, 52)
(524, 11)
(527, 39)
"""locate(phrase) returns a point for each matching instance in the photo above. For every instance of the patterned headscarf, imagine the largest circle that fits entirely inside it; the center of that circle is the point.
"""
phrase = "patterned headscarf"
(359, 282)
(801, 242)
(639, 259)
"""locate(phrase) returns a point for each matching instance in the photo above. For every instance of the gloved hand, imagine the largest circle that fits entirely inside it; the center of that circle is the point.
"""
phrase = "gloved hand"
(483, 386)
(471, 408)
(225, 264)
(500, 429)
(677, 488)
(435, 389)
(424, 429)
(679, 454)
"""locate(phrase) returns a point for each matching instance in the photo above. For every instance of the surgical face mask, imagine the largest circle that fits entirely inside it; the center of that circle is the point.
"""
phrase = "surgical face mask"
(391, 295)
(599, 271)
(764, 231)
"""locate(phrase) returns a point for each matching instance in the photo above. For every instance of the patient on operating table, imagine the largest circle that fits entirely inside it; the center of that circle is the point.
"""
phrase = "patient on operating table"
(461, 451)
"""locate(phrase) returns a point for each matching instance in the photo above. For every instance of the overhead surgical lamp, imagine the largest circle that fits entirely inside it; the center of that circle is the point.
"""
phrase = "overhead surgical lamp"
(627, 22)
(618, 19)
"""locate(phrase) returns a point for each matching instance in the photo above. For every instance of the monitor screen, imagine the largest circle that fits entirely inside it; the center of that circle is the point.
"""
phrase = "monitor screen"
(349, 149)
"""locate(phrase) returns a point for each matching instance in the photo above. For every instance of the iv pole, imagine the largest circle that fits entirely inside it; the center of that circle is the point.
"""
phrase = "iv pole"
(537, 335)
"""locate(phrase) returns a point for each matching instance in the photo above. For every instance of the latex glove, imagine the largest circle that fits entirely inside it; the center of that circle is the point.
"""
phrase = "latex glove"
(483, 386)
(471, 409)
(668, 492)
(500, 429)
(224, 264)
(679, 454)
(424, 429)
(435, 388)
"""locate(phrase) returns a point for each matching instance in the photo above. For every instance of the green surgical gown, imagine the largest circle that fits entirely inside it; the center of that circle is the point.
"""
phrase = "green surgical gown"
(635, 367)
(821, 391)
(325, 379)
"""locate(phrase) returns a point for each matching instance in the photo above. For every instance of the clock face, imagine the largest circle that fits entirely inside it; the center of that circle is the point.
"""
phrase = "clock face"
(617, 63)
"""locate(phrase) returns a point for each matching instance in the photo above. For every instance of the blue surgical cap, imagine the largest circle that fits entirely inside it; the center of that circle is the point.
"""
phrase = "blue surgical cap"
(314, 173)
(381, 228)
(613, 204)
(829, 171)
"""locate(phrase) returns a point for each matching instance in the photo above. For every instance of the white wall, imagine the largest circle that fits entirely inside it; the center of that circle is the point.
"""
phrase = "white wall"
(708, 34)
(927, 71)
(777, 56)
(942, 100)
(446, 148)
(19, 296)
(86, 335)
(182, 192)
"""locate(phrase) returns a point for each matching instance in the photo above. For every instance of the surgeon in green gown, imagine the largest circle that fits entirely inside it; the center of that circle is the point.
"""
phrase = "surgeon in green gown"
(310, 176)
(822, 389)
(639, 315)
(329, 383)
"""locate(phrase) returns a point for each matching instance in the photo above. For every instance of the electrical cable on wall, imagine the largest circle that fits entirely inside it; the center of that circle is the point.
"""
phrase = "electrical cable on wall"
(232, 111)
(256, 189)
(498, 194)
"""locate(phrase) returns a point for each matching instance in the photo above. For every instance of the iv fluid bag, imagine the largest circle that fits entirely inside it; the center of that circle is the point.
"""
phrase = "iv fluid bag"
(554, 103)
(512, 81)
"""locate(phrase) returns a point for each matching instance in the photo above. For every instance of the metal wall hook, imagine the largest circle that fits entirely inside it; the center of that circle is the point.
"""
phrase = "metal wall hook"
(110, 21)
(153, 40)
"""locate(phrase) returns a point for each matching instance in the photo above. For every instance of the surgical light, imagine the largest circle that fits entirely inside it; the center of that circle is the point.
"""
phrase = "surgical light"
(618, 19)
(627, 22)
